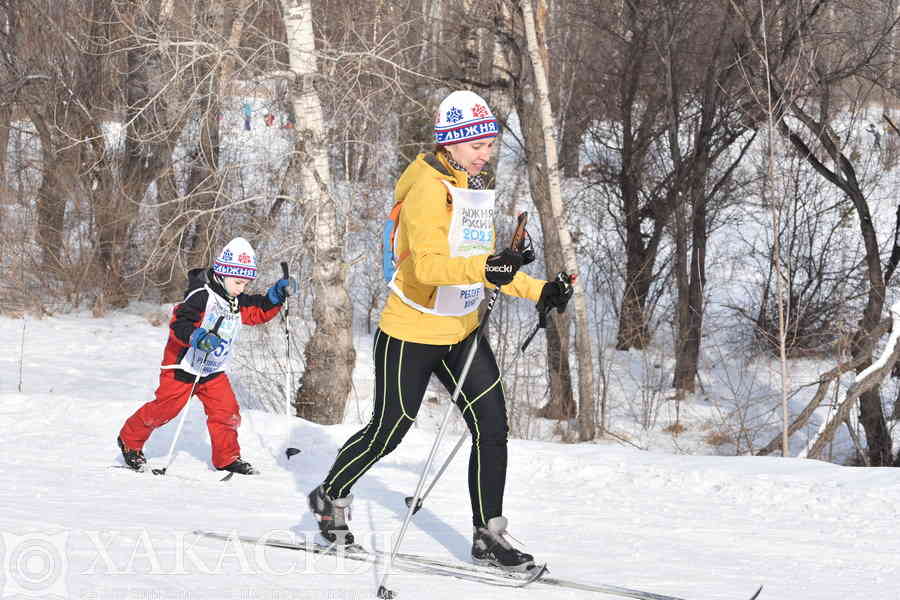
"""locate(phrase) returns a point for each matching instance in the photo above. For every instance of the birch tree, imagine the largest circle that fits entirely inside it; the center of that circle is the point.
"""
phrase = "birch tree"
(329, 353)
(586, 421)
(521, 80)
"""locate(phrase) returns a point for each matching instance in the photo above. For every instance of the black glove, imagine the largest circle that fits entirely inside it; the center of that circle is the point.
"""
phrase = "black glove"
(556, 293)
(501, 268)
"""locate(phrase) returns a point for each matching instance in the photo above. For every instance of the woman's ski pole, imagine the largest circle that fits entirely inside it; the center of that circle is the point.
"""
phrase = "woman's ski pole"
(542, 322)
(517, 240)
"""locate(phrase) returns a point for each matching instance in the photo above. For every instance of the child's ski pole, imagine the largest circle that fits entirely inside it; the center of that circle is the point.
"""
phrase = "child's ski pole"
(184, 410)
(289, 371)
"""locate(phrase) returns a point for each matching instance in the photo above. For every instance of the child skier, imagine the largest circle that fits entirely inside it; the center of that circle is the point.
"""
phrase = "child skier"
(194, 354)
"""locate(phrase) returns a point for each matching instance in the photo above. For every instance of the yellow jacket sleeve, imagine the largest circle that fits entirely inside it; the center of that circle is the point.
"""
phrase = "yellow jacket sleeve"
(523, 285)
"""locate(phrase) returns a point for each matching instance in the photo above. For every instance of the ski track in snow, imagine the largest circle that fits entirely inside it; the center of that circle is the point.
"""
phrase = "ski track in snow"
(697, 527)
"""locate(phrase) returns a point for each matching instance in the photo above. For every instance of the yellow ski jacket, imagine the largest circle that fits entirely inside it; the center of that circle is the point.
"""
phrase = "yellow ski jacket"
(423, 232)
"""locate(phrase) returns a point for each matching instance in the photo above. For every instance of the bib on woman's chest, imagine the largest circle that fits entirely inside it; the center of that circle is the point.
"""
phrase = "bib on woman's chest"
(471, 233)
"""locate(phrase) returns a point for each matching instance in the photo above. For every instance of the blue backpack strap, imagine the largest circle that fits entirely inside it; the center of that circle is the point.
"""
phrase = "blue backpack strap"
(387, 256)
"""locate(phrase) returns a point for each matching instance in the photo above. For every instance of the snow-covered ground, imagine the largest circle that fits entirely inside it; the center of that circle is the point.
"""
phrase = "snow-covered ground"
(698, 527)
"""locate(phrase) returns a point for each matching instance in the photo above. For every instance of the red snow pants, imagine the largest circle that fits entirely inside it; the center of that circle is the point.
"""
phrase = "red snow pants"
(222, 414)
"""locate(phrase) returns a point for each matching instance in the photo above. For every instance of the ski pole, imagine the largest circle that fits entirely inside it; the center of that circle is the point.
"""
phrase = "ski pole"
(384, 593)
(542, 322)
(288, 372)
(184, 410)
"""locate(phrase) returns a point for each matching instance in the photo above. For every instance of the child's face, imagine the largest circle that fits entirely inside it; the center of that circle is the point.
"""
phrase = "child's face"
(235, 286)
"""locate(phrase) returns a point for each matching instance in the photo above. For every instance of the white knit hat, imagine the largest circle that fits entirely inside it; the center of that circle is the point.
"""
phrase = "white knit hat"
(237, 259)
(464, 116)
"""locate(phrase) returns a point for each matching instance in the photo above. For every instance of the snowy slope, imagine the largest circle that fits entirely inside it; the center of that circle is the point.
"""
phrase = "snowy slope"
(695, 527)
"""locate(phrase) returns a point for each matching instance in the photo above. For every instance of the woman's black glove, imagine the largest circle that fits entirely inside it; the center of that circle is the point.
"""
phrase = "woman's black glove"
(501, 268)
(556, 293)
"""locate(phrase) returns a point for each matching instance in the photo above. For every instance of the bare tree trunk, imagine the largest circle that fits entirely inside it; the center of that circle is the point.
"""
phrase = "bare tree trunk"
(5, 119)
(683, 377)
(169, 267)
(57, 171)
(690, 183)
(878, 437)
(690, 291)
(114, 210)
(572, 132)
(633, 331)
(150, 137)
(329, 353)
(687, 360)
(205, 178)
(684, 373)
(51, 209)
(867, 379)
(638, 108)
(586, 424)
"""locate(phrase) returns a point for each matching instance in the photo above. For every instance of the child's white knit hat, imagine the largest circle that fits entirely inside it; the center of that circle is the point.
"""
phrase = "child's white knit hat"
(237, 259)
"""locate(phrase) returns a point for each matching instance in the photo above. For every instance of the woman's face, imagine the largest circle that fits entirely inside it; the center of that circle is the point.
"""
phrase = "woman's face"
(472, 156)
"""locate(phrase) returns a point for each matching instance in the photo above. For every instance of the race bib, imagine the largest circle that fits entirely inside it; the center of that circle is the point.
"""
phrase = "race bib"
(471, 233)
(206, 363)
(209, 363)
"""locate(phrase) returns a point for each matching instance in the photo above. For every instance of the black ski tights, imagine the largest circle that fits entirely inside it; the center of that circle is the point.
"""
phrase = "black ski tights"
(402, 371)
